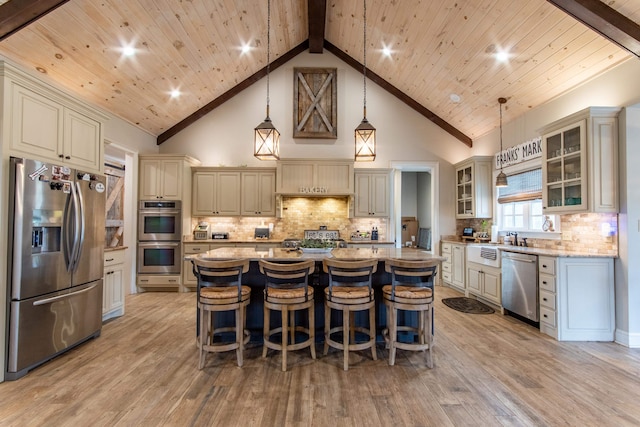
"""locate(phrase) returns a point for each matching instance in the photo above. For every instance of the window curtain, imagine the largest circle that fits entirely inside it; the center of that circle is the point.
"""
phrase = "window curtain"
(523, 186)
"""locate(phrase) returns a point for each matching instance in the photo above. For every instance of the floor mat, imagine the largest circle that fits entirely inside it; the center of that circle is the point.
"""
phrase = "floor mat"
(467, 305)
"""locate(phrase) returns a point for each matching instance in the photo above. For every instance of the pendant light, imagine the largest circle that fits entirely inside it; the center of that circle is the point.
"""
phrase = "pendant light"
(501, 179)
(365, 133)
(266, 140)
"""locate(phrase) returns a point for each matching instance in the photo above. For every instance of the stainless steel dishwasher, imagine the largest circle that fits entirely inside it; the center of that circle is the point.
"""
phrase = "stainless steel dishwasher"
(520, 284)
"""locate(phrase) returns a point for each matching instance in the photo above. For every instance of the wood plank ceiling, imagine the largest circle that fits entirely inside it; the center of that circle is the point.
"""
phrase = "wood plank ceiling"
(439, 51)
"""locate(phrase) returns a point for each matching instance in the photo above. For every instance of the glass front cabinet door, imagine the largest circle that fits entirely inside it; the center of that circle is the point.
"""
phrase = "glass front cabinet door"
(564, 177)
(580, 162)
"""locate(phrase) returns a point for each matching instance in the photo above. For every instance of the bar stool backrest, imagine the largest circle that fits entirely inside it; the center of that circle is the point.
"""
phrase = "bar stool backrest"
(287, 275)
(219, 273)
(419, 274)
(354, 273)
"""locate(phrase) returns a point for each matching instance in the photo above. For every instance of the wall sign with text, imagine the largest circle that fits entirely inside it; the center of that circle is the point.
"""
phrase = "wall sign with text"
(526, 151)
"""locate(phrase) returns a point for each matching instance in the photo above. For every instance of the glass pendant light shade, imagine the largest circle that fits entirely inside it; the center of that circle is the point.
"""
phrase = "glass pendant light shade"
(266, 144)
(501, 179)
(365, 142)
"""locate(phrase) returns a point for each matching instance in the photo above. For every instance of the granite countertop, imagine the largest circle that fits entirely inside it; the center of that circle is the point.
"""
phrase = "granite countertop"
(534, 250)
(342, 253)
(190, 239)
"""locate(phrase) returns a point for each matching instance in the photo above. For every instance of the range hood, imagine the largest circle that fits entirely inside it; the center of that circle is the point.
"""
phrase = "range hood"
(315, 178)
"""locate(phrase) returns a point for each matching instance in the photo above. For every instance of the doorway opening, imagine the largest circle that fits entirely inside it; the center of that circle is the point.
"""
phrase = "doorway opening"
(416, 195)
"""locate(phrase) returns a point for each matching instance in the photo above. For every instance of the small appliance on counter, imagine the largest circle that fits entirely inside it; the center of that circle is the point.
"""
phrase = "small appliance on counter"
(467, 233)
(201, 232)
(261, 233)
(220, 235)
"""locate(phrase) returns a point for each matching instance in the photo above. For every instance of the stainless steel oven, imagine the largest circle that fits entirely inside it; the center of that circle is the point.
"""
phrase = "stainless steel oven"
(160, 220)
(159, 257)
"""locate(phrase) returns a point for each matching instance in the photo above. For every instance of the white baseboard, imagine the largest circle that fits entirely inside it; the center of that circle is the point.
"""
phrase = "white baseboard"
(628, 340)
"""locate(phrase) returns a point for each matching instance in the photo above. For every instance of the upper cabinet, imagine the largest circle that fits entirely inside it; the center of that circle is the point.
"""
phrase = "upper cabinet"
(372, 193)
(258, 193)
(48, 125)
(234, 191)
(216, 192)
(474, 189)
(580, 162)
(315, 177)
(165, 177)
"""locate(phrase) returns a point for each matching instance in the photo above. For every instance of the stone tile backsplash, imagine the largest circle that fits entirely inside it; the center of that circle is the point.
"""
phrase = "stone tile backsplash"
(299, 214)
(579, 232)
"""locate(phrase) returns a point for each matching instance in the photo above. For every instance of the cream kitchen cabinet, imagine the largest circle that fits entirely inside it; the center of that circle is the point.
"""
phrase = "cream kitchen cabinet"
(315, 177)
(372, 193)
(548, 295)
(258, 193)
(485, 282)
(113, 286)
(216, 192)
(580, 162)
(48, 125)
(453, 268)
(577, 298)
(161, 178)
(474, 188)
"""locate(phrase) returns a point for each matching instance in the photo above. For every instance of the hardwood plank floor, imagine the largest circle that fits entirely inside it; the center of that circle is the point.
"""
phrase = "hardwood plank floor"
(489, 370)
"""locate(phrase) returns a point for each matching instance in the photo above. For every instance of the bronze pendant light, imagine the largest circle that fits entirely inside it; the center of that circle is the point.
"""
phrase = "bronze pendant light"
(501, 179)
(266, 139)
(365, 133)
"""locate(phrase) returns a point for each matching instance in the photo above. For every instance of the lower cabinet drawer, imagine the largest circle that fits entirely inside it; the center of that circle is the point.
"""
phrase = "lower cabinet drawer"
(547, 282)
(548, 300)
(158, 280)
(446, 267)
(548, 316)
(446, 276)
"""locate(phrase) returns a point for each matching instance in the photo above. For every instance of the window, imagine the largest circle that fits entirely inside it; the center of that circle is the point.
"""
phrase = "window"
(520, 204)
(521, 216)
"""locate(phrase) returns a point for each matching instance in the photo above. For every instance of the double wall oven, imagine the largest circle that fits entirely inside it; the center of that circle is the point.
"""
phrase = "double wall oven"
(159, 237)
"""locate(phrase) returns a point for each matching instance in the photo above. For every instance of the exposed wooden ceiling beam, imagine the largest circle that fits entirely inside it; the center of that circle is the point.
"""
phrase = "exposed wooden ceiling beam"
(231, 93)
(399, 94)
(604, 20)
(17, 14)
(317, 15)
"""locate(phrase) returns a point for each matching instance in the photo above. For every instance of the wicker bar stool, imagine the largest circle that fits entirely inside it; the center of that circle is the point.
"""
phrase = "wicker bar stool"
(220, 289)
(411, 289)
(287, 290)
(349, 291)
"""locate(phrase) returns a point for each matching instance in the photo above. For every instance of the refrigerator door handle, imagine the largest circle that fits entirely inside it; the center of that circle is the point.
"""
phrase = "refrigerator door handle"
(67, 249)
(64, 296)
(81, 215)
(75, 253)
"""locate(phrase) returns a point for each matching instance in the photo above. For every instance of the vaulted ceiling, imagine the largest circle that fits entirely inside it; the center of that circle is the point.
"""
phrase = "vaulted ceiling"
(442, 58)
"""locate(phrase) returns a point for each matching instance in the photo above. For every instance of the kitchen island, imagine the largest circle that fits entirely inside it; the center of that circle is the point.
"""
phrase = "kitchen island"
(319, 279)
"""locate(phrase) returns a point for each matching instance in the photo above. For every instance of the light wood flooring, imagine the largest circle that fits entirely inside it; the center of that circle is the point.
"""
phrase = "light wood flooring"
(489, 370)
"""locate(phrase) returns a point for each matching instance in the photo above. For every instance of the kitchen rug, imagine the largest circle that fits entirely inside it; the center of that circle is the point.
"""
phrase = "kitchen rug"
(467, 305)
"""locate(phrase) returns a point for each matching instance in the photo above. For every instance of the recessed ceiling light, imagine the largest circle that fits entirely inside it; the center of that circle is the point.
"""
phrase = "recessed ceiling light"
(386, 51)
(245, 48)
(128, 51)
(502, 56)
(454, 97)
(175, 93)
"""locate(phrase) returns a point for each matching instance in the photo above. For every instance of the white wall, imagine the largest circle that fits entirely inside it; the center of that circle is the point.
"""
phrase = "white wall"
(409, 194)
(626, 266)
(224, 137)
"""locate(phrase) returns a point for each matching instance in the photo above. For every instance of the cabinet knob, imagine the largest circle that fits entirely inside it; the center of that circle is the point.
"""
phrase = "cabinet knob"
(544, 315)
(544, 265)
(544, 282)
(67, 157)
(61, 156)
(544, 299)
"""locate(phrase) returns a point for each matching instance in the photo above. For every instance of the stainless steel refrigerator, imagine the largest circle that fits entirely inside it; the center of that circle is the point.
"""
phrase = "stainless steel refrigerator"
(56, 246)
